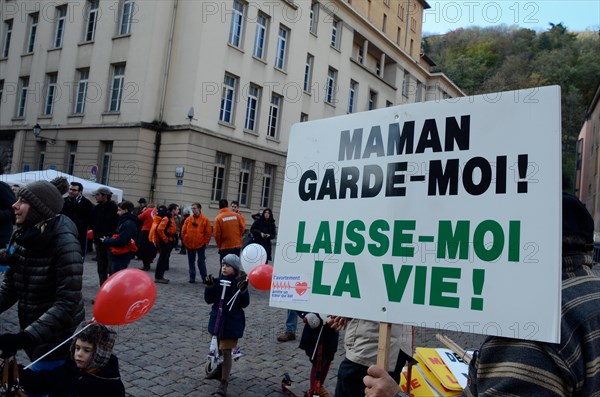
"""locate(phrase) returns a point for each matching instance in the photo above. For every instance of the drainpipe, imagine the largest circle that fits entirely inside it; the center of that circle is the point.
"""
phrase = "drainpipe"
(163, 95)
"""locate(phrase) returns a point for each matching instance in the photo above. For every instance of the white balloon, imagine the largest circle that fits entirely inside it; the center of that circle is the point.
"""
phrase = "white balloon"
(252, 256)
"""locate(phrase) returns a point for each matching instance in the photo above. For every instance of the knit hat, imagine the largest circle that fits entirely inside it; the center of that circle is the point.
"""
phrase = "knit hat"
(45, 199)
(576, 219)
(103, 339)
(232, 260)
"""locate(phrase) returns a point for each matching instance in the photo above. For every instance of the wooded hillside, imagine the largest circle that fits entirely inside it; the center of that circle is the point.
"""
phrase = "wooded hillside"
(484, 60)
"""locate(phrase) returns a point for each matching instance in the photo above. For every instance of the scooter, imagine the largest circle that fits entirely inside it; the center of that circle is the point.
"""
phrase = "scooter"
(214, 356)
(286, 382)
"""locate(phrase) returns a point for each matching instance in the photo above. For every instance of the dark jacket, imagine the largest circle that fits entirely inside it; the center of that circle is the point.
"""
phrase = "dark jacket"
(233, 321)
(69, 381)
(328, 340)
(45, 276)
(79, 210)
(7, 214)
(126, 230)
(104, 219)
(261, 225)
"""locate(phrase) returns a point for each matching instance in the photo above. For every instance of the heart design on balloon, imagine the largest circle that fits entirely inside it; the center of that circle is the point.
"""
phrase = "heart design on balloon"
(301, 287)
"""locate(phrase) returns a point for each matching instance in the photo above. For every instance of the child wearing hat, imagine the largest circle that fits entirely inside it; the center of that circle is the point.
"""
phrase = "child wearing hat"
(232, 321)
(91, 370)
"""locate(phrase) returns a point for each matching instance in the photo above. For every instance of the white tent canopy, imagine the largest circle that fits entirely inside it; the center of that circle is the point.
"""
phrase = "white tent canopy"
(89, 187)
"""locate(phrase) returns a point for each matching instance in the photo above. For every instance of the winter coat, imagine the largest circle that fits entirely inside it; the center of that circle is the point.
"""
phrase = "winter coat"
(166, 231)
(229, 229)
(79, 210)
(259, 226)
(198, 236)
(360, 341)
(126, 231)
(146, 218)
(328, 339)
(7, 214)
(69, 381)
(104, 220)
(45, 277)
(233, 321)
(153, 235)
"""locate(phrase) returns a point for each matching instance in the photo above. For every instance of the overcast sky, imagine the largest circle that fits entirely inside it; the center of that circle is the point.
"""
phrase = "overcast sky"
(447, 15)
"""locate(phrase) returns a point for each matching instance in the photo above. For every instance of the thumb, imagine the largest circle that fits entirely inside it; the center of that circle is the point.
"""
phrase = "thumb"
(375, 371)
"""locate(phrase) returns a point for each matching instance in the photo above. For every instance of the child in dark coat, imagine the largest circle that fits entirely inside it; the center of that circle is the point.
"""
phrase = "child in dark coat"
(233, 321)
(91, 371)
(320, 343)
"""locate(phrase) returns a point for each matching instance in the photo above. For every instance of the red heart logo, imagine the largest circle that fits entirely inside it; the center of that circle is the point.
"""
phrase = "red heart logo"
(301, 287)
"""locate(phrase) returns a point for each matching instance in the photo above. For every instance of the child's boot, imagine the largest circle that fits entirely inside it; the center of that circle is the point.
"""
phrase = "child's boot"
(222, 390)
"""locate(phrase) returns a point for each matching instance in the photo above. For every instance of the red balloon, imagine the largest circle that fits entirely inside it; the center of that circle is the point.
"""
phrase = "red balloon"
(90, 234)
(260, 277)
(124, 298)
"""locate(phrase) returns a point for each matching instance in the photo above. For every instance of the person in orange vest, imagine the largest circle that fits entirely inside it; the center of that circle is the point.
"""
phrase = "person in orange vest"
(229, 230)
(166, 233)
(195, 235)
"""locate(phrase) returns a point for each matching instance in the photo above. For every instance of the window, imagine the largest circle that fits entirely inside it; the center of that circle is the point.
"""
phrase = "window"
(383, 25)
(116, 94)
(92, 17)
(107, 148)
(266, 188)
(50, 93)
(308, 72)
(314, 17)
(72, 147)
(336, 26)
(244, 183)
(418, 97)
(398, 35)
(330, 86)
(218, 182)
(405, 84)
(401, 11)
(413, 24)
(386, 3)
(281, 48)
(8, 25)
(377, 68)
(237, 24)
(360, 57)
(228, 99)
(252, 108)
(260, 37)
(33, 24)
(59, 31)
(274, 111)
(412, 43)
(303, 117)
(24, 83)
(372, 100)
(352, 96)
(41, 155)
(81, 93)
(127, 10)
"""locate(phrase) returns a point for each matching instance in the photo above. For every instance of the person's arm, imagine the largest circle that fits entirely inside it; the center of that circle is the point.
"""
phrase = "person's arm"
(160, 230)
(502, 356)
(7, 199)
(184, 228)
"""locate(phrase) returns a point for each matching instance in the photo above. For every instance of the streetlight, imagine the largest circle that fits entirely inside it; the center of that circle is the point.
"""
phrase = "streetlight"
(37, 130)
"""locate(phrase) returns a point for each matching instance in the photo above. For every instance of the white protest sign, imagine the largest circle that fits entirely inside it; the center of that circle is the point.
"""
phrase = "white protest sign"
(437, 214)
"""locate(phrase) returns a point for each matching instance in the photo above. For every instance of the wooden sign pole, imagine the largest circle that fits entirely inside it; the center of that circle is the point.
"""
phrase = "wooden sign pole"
(383, 347)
